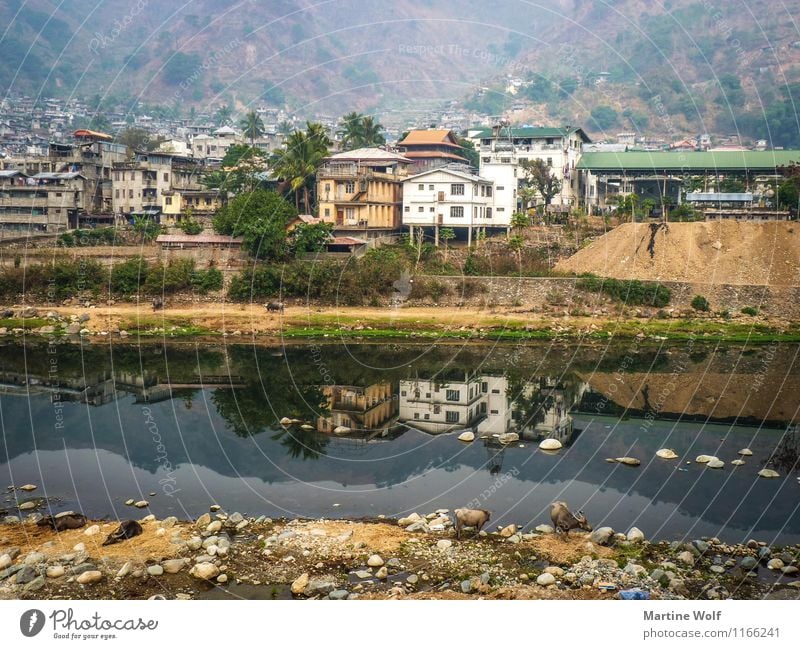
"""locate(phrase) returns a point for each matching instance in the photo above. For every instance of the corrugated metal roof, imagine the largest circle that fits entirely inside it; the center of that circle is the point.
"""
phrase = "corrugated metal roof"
(719, 197)
(10, 173)
(430, 136)
(346, 241)
(687, 160)
(58, 176)
(370, 154)
(534, 132)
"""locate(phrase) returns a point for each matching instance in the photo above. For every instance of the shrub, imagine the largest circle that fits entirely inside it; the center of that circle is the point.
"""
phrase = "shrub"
(699, 303)
(170, 278)
(631, 291)
(750, 310)
(127, 277)
(190, 226)
(204, 281)
(471, 265)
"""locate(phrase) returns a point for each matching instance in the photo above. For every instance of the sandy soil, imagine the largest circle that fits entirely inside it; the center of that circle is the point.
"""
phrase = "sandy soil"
(714, 252)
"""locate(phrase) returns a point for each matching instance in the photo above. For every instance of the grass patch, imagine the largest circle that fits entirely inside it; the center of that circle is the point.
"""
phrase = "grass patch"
(24, 323)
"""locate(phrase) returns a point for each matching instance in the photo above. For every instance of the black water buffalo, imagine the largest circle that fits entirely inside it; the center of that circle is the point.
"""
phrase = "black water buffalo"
(275, 306)
(158, 303)
(126, 530)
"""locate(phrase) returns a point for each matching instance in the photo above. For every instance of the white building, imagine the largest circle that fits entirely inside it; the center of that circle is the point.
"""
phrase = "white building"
(214, 146)
(453, 198)
(441, 405)
(502, 149)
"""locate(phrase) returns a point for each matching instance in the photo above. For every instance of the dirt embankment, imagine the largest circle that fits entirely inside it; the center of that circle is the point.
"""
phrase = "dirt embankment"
(715, 252)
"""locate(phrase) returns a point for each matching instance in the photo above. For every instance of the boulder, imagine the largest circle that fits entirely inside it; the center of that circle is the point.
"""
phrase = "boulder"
(666, 454)
(410, 519)
(466, 436)
(629, 461)
(686, 557)
(550, 444)
(508, 530)
(764, 473)
(55, 571)
(745, 451)
(171, 566)
(508, 438)
(705, 459)
(89, 577)
(546, 579)
(375, 561)
(715, 464)
(635, 535)
(601, 535)
(299, 585)
(544, 529)
(203, 521)
(204, 570)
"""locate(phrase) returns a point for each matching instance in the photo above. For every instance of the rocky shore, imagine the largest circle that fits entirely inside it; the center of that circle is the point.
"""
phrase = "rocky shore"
(230, 555)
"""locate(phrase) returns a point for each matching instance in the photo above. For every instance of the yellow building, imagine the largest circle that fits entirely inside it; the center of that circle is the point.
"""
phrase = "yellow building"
(360, 409)
(361, 192)
(177, 203)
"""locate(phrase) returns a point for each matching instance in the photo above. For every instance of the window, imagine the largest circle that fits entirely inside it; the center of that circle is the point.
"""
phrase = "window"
(116, 175)
(483, 190)
(456, 211)
(168, 200)
(505, 160)
(116, 195)
(486, 159)
(130, 193)
(427, 395)
(484, 387)
(327, 187)
(416, 415)
(489, 191)
(166, 177)
(495, 391)
(493, 412)
(500, 188)
(457, 189)
(430, 188)
(427, 416)
(488, 212)
(451, 417)
(453, 395)
(406, 208)
(133, 175)
(208, 201)
(350, 213)
(549, 162)
(421, 187)
(349, 187)
(432, 209)
(437, 410)
(501, 209)
(403, 393)
(420, 209)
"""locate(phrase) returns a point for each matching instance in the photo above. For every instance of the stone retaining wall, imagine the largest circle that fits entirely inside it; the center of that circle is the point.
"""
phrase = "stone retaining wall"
(544, 292)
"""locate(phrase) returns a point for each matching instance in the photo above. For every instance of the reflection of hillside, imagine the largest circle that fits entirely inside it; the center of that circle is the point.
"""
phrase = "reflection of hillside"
(712, 395)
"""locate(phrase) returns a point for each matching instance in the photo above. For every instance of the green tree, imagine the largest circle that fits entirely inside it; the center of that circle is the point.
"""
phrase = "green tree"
(252, 126)
(357, 131)
(469, 152)
(260, 217)
(146, 228)
(446, 235)
(310, 237)
(223, 115)
(604, 117)
(520, 221)
(788, 194)
(539, 176)
(297, 163)
(137, 139)
(285, 129)
(516, 243)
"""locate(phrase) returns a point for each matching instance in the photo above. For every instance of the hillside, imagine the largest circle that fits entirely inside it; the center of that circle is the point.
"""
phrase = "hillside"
(717, 253)
(671, 69)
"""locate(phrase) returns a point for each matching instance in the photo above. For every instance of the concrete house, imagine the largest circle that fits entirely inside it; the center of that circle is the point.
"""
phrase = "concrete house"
(431, 148)
(361, 192)
(450, 197)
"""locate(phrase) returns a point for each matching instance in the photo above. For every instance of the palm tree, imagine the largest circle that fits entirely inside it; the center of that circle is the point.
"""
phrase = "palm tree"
(297, 163)
(223, 115)
(252, 126)
(371, 132)
(350, 130)
(285, 129)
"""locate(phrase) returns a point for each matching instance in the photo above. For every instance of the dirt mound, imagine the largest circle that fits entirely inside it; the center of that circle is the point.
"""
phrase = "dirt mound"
(725, 252)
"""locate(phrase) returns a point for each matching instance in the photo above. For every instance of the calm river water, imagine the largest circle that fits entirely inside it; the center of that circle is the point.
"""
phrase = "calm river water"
(197, 424)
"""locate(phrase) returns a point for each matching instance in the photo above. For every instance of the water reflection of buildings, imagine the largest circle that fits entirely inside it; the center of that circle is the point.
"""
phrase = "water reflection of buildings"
(371, 409)
(100, 388)
(490, 405)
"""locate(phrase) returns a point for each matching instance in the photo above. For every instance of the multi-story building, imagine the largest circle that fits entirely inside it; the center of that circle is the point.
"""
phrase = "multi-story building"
(369, 409)
(45, 202)
(361, 192)
(443, 404)
(431, 148)
(140, 184)
(453, 198)
(502, 149)
(213, 147)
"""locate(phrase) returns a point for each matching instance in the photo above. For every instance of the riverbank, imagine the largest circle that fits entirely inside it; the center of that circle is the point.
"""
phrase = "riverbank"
(251, 322)
(230, 555)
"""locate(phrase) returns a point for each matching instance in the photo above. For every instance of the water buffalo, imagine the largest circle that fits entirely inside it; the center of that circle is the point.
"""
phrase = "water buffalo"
(126, 530)
(564, 520)
(67, 521)
(158, 303)
(275, 306)
(476, 518)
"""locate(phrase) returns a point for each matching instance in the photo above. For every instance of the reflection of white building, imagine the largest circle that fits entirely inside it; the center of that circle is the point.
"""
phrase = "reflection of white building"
(441, 405)
(550, 419)
(468, 401)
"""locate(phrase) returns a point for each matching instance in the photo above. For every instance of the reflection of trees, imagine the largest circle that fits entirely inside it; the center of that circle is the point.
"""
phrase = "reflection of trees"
(787, 454)
(532, 399)
(302, 444)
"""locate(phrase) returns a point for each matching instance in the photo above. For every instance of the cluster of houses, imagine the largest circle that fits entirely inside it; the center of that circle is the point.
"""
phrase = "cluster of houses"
(425, 182)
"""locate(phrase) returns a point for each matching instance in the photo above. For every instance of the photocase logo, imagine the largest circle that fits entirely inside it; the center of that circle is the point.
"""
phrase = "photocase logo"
(31, 622)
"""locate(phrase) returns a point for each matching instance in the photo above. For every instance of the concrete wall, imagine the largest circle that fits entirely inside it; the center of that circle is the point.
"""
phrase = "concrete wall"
(561, 292)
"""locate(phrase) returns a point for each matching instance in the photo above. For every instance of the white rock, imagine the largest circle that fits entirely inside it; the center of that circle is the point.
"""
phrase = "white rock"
(737, 462)
(545, 579)
(79, 547)
(55, 571)
(508, 530)
(285, 421)
(214, 526)
(89, 577)
(705, 459)
(141, 504)
(171, 566)
(775, 564)
(444, 544)
(203, 520)
(92, 530)
(769, 473)
(745, 451)
(299, 584)
(666, 454)
(31, 504)
(375, 561)
(635, 535)
(155, 570)
(715, 464)
(126, 568)
(5, 561)
(466, 436)
(28, 487)
(508, 438)
(382, 572)
(204, 570)
(550, 444)
(130, 501)
(629, 461)
(341, 430)
(410, 520)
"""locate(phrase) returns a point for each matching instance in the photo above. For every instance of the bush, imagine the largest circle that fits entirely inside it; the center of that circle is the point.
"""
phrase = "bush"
(91, 237)
(699, 303)
(127, 277)
(750, 310)
(204, 281)
(631, 291)
(170, 278)
(190, 226)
